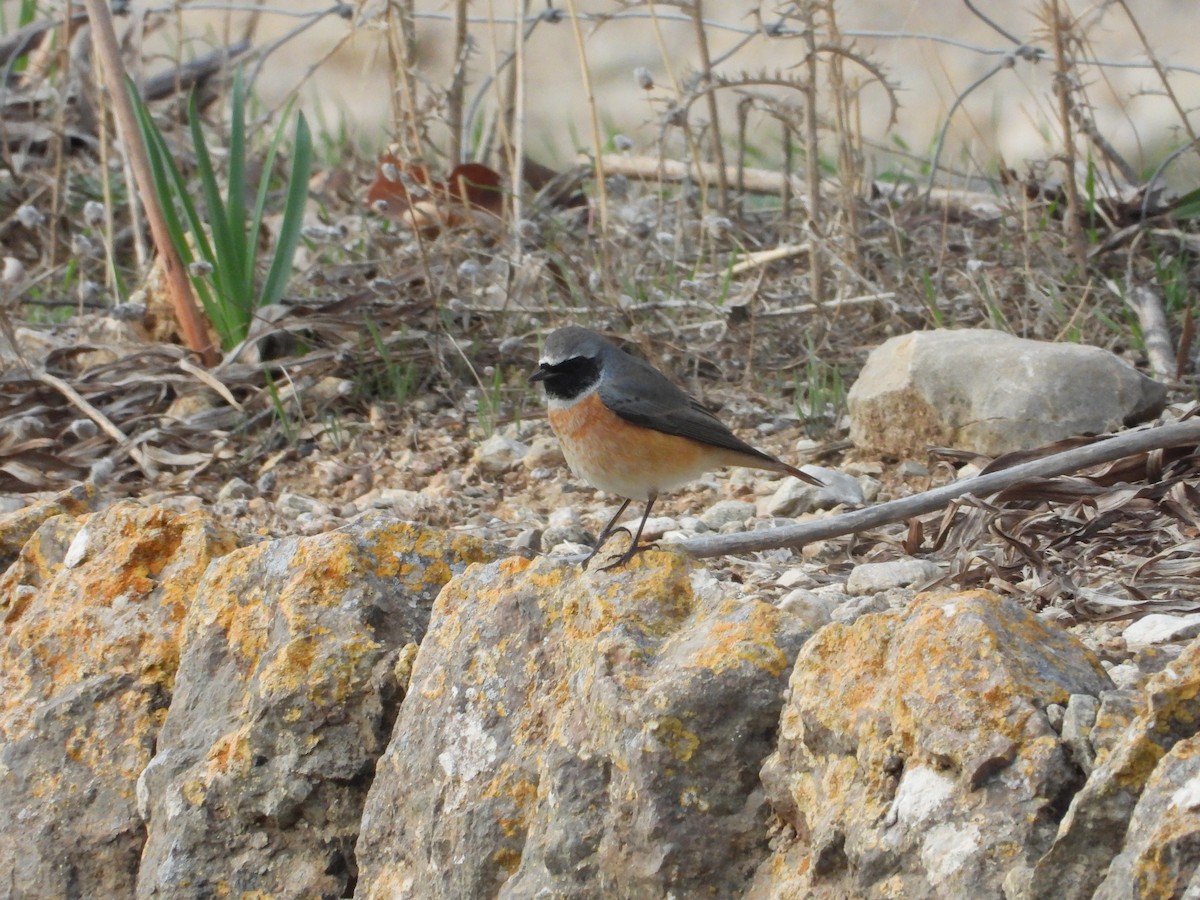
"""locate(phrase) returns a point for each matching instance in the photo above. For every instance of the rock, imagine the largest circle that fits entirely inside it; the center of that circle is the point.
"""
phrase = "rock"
(499, 454)
(1161, 854)
(1078, 720)
(813, 609)
(412, 506)
(1126, 675)
(528, 541)
(563, 527)
(290, 504)
(655, 528)
(727, 512)
(17, 527)
(544, 453)
(990, 392)
(574, 734)
(914, 759)
(87, 664)
(1141, 778)
(235, 489)
(851, 610)
(1158, 628)
(295, 663)
(794, 496)
(868, 578)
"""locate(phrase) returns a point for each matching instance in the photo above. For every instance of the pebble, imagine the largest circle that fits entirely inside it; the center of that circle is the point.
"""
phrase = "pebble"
(564, 527)
(794, 497)
(870, 488)
(794, 577)
(656, 527)
(184, 503)
(498, 454)
(869, 578)
(726, 512)
(563, 517)
(529, 540)
(235, 489)
(912, 469)
(543, 453)
(1126, 675)
(410, 505)
(847, 613)
(813, 609)
(1160, 628)
(298, 503)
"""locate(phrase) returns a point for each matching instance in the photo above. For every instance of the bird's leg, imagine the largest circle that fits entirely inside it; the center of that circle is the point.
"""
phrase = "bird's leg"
(608, 532)
(633, 547)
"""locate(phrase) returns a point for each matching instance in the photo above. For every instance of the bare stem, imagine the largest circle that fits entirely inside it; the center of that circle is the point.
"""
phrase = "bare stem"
(195, 335)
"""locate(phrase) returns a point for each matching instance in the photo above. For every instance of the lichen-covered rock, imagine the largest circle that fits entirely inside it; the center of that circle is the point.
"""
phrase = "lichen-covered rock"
(296, 659)
(93, 616)
(18, 527)
(1161, 856)
(915, 758)
(991, 392)
(573, 734)
(1140, 804)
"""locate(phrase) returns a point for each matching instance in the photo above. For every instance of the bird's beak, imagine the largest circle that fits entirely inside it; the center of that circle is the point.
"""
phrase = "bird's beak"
(540, 375)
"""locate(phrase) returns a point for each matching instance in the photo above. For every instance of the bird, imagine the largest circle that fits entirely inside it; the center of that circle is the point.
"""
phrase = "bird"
(627, 429)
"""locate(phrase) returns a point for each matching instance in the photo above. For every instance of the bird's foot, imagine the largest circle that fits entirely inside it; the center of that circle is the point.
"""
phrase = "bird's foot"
(601, 541)
(629, 554)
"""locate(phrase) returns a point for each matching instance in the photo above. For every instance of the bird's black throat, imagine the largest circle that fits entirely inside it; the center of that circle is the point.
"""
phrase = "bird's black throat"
(568, 379)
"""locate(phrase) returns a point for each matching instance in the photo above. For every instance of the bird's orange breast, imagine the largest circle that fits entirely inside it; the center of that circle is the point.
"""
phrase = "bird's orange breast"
(626, 459)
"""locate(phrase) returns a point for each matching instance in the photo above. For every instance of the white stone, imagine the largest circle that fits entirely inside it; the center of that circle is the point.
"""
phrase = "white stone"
(725, 512)
(868, 578)
(815, 610)
(1160, 628)
(498, 454)
(794, 497)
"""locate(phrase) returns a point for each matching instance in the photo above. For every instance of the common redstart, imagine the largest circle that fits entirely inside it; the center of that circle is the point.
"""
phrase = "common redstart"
(626, 429)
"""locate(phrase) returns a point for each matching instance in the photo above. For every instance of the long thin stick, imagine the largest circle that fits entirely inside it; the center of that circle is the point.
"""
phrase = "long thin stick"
(195, 336)
(1174, 435)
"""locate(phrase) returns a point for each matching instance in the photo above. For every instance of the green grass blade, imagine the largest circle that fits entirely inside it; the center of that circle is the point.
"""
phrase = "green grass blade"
(264, 182)
(227, 269)
(235, 202)
(170, 187)
(293, 215)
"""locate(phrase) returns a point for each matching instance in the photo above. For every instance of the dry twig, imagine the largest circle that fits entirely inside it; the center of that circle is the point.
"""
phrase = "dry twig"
(1174, 435)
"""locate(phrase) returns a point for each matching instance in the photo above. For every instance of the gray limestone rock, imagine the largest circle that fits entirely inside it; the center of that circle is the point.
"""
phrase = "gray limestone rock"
(572, 734)
(991, 392)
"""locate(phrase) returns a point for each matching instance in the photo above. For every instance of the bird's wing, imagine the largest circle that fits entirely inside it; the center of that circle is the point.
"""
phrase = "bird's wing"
(644, 396)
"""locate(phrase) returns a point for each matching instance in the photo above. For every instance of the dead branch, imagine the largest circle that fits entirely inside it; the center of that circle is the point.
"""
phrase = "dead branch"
(191, 324)
(1173, 435)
